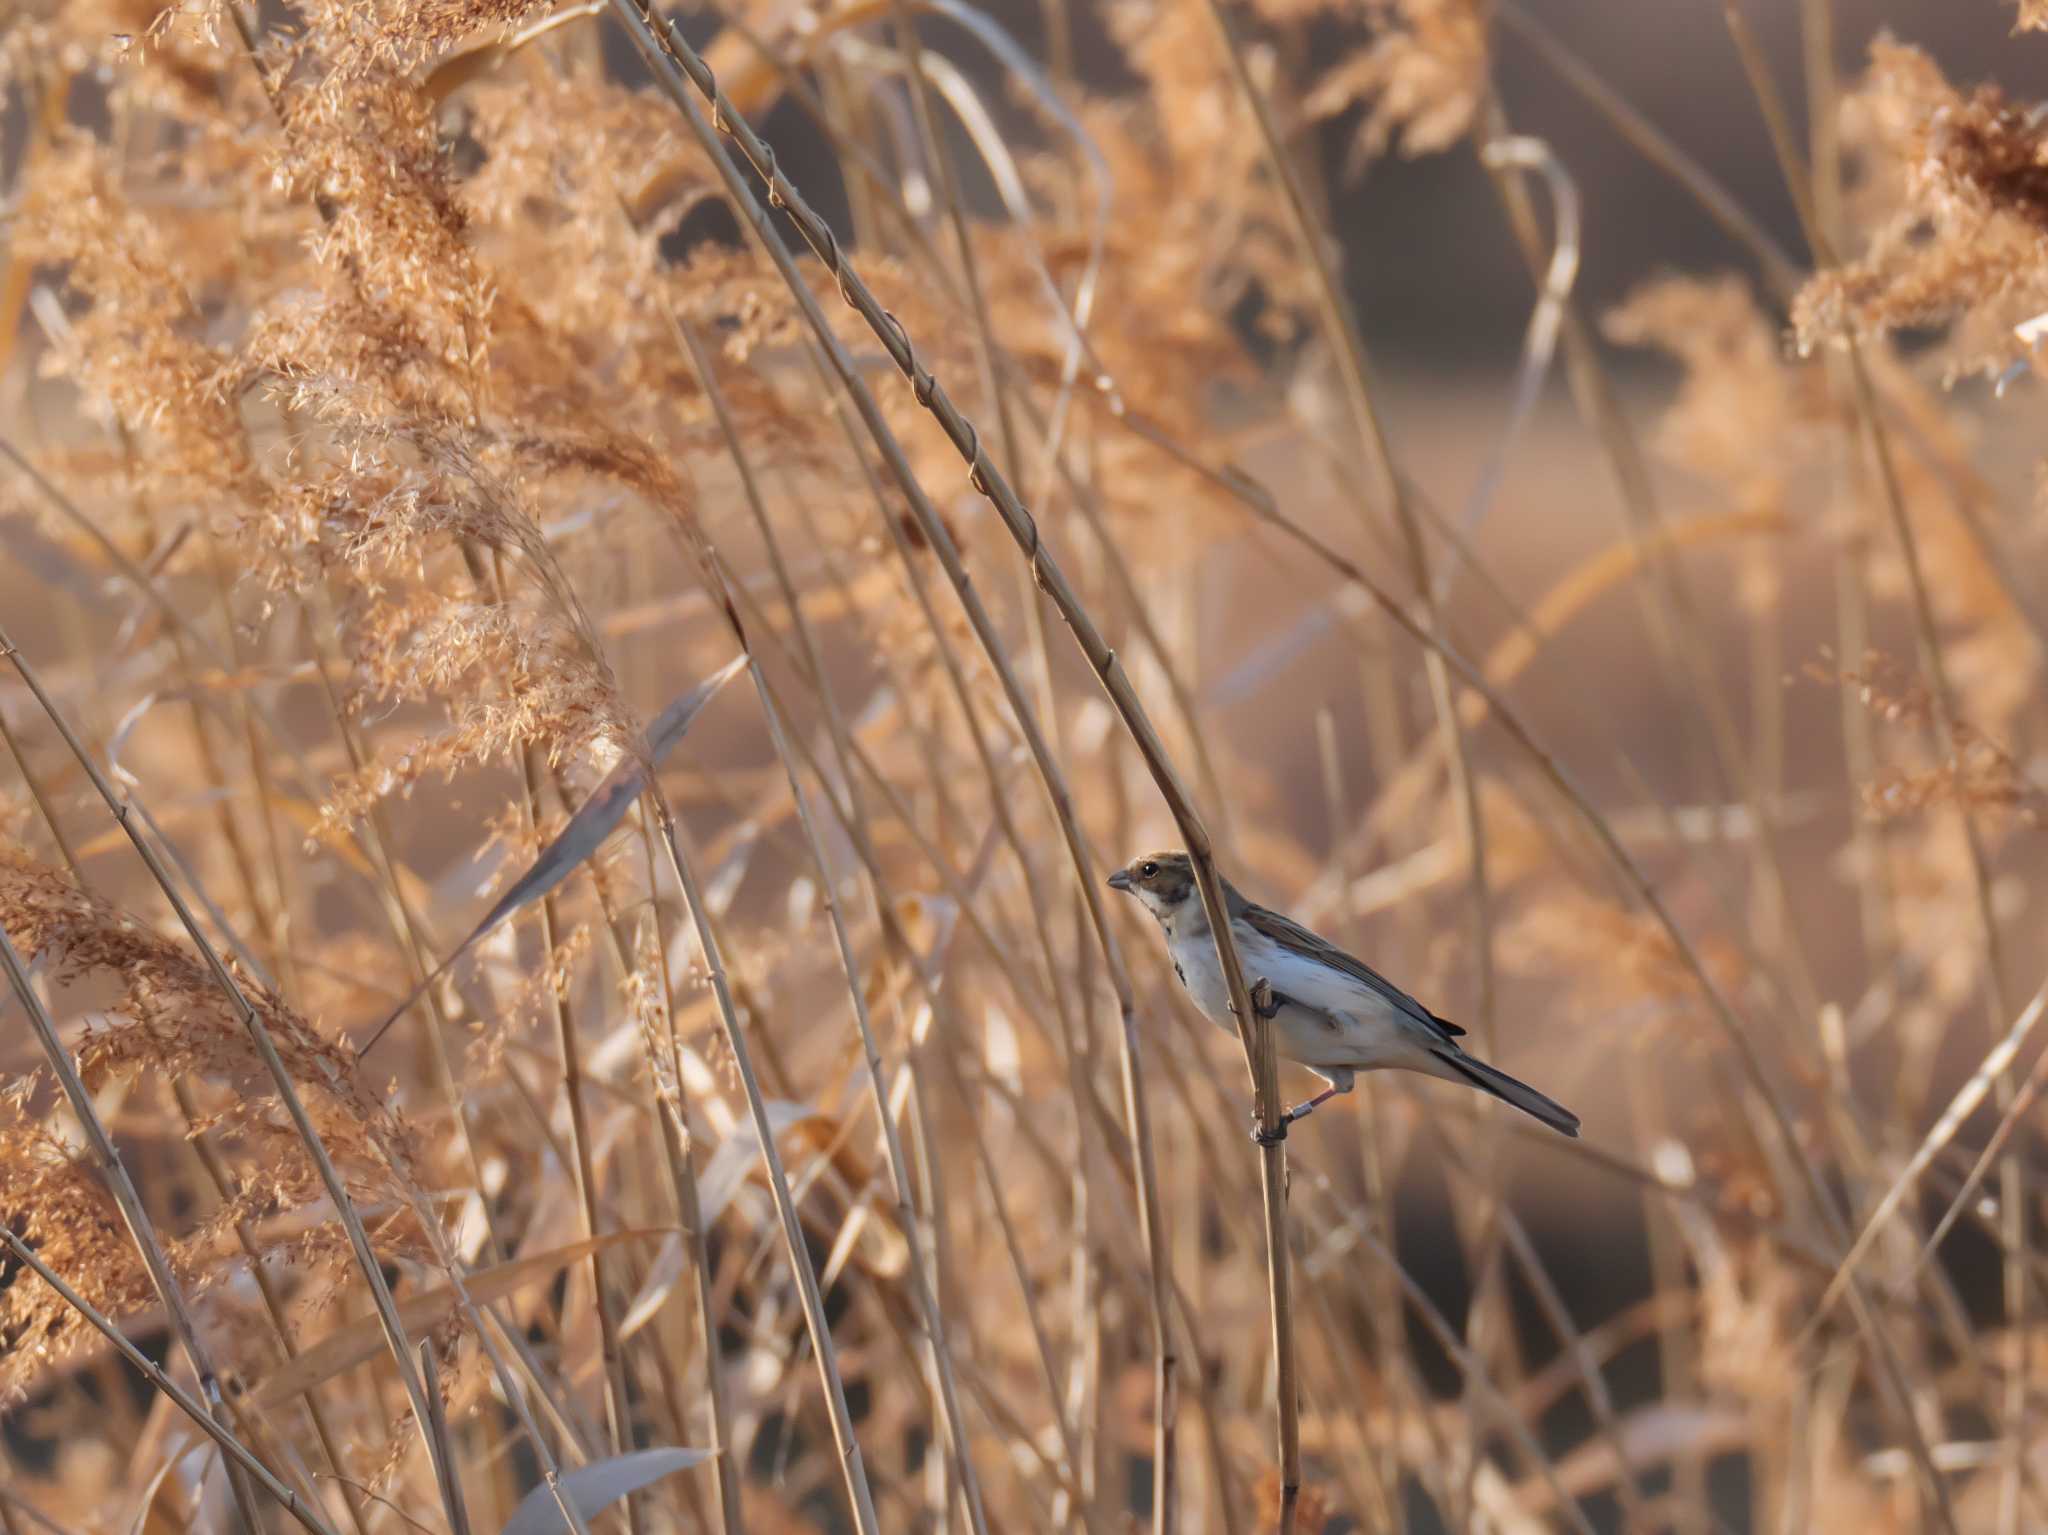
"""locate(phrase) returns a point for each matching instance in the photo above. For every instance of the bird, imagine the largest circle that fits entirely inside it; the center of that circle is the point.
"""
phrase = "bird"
(1331, 1012)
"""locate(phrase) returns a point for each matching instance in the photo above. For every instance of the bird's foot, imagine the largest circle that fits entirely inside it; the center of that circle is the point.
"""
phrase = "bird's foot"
(1264, 1002)
(1301, 1110)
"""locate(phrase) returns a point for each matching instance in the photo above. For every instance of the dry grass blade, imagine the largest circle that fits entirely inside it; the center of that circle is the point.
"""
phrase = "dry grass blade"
(140, 1228)
(1960, 1107)
(931, 1317)
(592, 1489)
(359, 1241)
(595, 819)
(172, 1391)
(667, 53)
(352, 1345)
(860, 1497)
(1779, 269)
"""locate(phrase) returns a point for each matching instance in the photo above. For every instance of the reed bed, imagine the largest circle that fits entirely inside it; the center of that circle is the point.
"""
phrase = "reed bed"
(588, 597)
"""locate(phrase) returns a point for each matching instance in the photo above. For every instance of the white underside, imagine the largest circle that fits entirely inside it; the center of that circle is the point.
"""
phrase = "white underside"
(1333, 1023)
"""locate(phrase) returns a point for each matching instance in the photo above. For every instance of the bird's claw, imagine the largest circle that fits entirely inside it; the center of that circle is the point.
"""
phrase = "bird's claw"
(1262, 1137)
(1267, 1006)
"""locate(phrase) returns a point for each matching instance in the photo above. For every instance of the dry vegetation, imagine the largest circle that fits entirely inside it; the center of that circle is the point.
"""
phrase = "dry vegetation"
(402, 408)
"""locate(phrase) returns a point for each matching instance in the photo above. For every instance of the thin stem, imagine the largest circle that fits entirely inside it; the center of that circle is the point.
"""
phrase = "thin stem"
(1780, 271)
(1948, 741)
(201, 1417)
(852, 1465)
(141, 1229)
(266, 1049)
(266, 1287)
(672, 59)
(881, 1093)
(35, 793)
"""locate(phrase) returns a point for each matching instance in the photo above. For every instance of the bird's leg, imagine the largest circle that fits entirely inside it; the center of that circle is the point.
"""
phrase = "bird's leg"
(1307, 1107)
(1299, 1111)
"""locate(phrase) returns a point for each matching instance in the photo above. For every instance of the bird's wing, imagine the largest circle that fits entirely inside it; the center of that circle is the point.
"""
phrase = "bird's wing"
(1290, 934)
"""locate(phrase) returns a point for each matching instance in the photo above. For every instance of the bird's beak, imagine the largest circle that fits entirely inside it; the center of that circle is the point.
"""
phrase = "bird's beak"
(1121, 880)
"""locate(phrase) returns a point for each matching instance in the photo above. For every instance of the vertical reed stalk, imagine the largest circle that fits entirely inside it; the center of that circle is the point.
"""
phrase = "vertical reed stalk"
(852, 1465)
(359, 1241)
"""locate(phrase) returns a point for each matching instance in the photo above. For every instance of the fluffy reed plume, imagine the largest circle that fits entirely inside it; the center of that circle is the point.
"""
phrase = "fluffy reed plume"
(1424, 75)
(404, 415)
(158, 1018)
(1967, 174)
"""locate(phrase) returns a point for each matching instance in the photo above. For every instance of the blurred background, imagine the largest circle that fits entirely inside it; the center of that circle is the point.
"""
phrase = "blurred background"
(363, 495)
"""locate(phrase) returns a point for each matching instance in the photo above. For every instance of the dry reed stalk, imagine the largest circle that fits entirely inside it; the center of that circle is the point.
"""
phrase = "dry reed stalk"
(404, 927)
(956, 884)
(147, 586)
(277, 925)
(1474, 1372)
(852, 1465)
(806, 663)
(998, 802)
(931, 1316)
(670, 1111)
(676, 1141)
(240, 858)
(141, 1230)
(200, 1413)
(667, 53)
(266, 1050)
(1670, 612)
(40, 799)
(1594, 393)
(1577, 1355)
(1783, 274)
(491, 576)
(1671, 617)
(450, 1483)
(618, 1408)
(853, 821)
(551, 1475)
(1341, 328)
(1165, 1490)
(1050, 992)
(1180, 692)
(1006, 383)
(936, 535)
(1165, 1371)
(273, 1303)
(1933, 665)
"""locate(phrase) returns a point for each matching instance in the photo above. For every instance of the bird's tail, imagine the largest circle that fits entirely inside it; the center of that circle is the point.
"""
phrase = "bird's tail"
(1506, 1088)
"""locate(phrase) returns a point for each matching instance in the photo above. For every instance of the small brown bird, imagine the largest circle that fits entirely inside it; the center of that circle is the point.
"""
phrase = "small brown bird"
(1332, 1013)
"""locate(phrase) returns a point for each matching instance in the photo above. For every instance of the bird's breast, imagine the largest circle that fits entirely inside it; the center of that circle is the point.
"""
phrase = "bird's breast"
(1195, 962)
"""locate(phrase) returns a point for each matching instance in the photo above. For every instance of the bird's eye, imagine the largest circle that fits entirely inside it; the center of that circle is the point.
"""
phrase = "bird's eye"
(1148, 870)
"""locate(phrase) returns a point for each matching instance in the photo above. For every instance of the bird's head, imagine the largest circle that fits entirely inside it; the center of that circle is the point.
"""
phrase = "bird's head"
(1163, 882)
